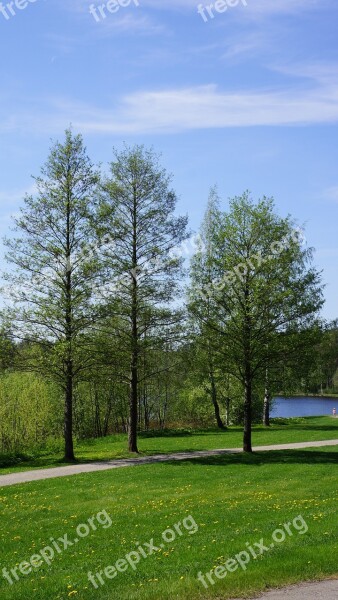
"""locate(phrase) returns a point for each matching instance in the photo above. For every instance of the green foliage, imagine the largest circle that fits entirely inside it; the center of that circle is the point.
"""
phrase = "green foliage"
(254, 292)
(53, 282)
(141, 266)
(96, 314)
(29, 412)
(7, 348)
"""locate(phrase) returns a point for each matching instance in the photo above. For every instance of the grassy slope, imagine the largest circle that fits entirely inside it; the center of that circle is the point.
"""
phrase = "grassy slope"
(234, 500)
(296, 430)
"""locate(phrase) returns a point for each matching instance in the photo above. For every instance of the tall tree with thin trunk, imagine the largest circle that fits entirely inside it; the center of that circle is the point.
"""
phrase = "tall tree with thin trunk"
(53, 280)
(143, 262)
(267, 399)
(203, 272)
(266, 291)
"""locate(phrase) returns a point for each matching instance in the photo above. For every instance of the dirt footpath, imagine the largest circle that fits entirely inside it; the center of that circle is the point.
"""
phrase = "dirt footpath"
(323, 590)
(77, 469)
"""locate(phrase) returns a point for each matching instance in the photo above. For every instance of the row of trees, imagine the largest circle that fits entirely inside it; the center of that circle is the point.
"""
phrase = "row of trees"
(180, 397)
(95, 289)
(93, 257)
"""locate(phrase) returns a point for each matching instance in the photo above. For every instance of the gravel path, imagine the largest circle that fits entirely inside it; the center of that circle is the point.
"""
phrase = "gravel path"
(323, 590)
(39, 474)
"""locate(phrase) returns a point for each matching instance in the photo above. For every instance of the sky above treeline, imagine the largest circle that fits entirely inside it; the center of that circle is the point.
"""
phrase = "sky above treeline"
(238, 93)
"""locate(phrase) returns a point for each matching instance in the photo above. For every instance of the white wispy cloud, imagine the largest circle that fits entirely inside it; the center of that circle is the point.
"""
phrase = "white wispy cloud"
(246, 45)
(323, 73)
(331, 193)
(130, 19)
(258, 7)
(272, 7)
(310, 101)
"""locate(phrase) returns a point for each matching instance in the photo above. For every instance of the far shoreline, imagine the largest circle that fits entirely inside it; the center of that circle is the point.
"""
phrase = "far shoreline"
(304, 396)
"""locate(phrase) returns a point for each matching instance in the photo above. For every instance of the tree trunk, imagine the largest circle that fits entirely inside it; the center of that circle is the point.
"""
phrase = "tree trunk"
(227, 405)
(133, 396)
(68, 422)
(98, 426)
(266, 408)
(163, 413)
(219, 421)
(247, 444)
(133, 399)
(213, 389)
(106, 418)
(133, 408)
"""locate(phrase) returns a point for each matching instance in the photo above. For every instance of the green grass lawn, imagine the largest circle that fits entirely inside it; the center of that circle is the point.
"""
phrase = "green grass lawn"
(292, 430)
(234, 500)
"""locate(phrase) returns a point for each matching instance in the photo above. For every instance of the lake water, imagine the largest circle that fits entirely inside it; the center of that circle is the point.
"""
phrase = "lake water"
(303, 407)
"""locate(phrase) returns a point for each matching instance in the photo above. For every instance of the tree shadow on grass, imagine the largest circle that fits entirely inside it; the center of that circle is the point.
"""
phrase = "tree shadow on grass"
(174, 433)
(300, 427)
(255, 459)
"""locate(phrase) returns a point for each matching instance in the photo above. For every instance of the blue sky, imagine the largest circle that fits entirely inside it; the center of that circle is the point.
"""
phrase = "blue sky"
(247, 100)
